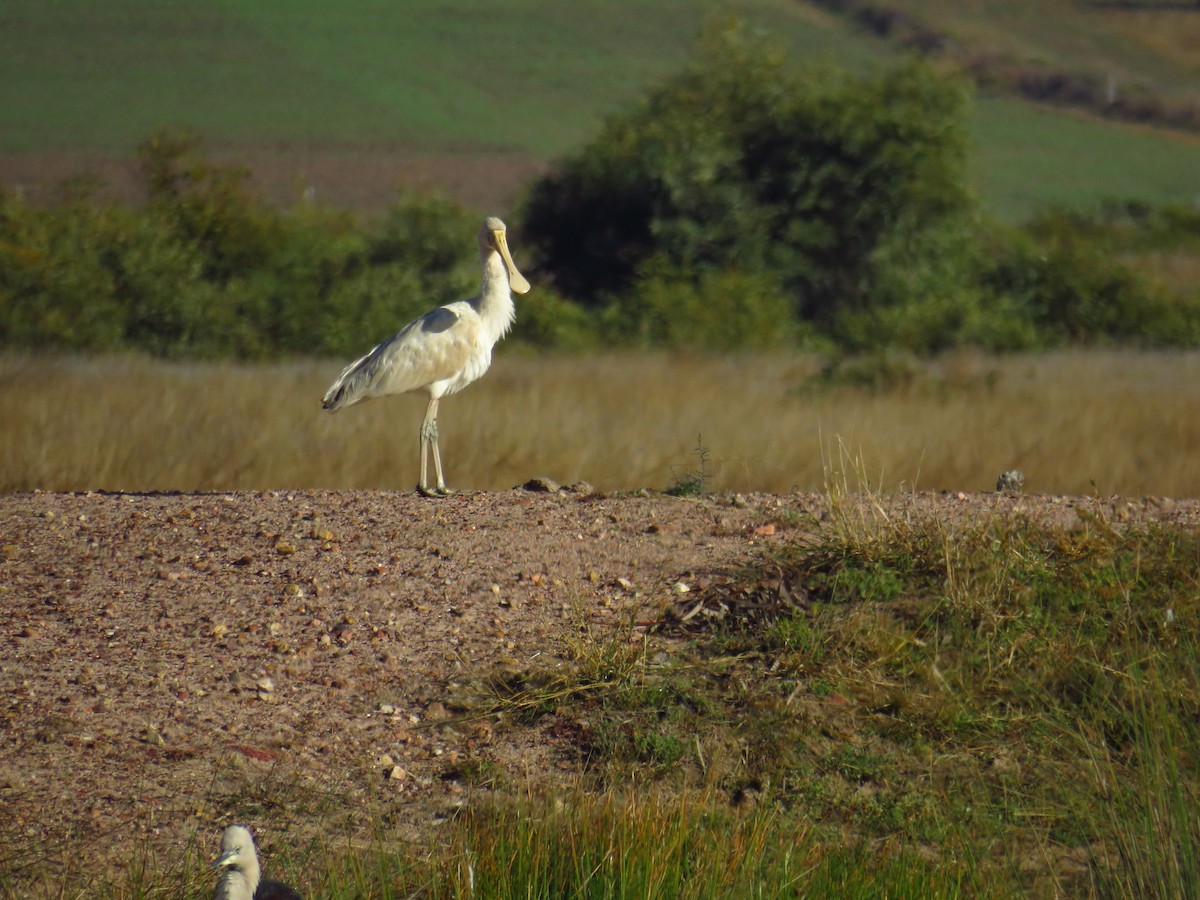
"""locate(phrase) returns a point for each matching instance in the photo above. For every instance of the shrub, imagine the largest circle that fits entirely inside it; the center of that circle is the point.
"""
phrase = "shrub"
(1074, 289)
(709, 309)
(739, 163)
(207, 207)
(206, 269)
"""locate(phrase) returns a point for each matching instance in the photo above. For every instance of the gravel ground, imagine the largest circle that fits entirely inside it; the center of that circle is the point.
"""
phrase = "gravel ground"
(165, 659)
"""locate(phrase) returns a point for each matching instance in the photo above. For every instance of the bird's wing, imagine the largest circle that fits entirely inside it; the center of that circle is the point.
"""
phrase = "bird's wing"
(430, 349)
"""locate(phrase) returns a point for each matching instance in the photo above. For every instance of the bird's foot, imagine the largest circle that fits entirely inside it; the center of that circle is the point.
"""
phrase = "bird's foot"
(435, 492)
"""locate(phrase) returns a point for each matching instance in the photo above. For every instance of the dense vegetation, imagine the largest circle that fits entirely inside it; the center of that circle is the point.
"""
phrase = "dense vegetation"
(849, 194)
(205, 269)
(740, 203)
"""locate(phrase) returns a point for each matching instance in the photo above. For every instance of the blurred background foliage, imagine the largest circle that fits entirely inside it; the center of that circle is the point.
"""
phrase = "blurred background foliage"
(739, 203)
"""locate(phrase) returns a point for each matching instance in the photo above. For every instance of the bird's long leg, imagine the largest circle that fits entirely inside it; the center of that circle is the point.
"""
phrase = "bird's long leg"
(437, 457)
(421, 488)
(429, 436)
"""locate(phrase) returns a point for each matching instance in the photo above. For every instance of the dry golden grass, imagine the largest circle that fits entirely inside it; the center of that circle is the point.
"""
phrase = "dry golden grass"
(1076, 422)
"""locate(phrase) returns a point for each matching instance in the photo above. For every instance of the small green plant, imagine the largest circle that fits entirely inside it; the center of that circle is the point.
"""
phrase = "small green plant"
(691, 483)
(628, 741)
(477, 771)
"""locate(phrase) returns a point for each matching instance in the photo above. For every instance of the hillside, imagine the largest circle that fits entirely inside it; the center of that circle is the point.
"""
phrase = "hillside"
(353, 100)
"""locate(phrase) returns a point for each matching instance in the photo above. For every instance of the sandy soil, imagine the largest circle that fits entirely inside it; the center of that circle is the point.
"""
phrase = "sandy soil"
(167, 658)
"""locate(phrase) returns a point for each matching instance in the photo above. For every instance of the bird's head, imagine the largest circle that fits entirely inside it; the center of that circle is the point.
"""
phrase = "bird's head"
(493, 237)
(237, 850)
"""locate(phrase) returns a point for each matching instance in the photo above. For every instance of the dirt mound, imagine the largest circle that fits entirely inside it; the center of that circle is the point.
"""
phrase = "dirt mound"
(169, 657)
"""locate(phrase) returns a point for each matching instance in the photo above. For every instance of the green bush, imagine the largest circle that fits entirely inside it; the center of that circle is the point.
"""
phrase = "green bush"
(741, 163)
(1072, 288)
(547, 320)
(205, 268)
(708, 309)
(207, 207)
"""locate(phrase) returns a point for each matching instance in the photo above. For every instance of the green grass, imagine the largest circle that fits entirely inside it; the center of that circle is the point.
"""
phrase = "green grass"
(468, 84)
(1018, 703)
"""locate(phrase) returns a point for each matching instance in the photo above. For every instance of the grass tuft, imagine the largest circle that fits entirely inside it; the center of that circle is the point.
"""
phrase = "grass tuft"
(691, 483)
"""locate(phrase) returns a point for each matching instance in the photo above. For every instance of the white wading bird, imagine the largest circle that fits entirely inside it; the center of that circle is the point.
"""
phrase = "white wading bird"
(441, 352)
(239, 878)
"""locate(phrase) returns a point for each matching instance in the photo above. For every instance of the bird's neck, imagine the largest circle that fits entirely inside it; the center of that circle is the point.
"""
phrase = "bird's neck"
(495, 297)
(239, 884)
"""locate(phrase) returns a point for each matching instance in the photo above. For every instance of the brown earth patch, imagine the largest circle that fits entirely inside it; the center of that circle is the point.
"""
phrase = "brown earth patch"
(361, 180)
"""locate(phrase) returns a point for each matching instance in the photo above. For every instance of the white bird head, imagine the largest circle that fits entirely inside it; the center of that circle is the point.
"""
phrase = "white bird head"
(493, 239)
(238, 863)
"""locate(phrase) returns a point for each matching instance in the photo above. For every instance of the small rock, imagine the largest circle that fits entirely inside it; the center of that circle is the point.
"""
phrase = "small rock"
(283, 548)
(541, 486)
(1010, 482)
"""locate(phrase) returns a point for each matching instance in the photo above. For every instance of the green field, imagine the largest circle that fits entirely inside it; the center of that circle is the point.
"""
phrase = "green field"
(535, 75)
(315, 84)
(1071, 160)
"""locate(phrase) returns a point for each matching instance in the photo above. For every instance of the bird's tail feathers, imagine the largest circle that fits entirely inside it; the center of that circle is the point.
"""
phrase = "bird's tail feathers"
(349, 387)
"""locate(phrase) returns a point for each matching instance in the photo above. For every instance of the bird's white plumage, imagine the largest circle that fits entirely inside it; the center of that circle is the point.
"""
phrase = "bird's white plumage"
(240, 875)
(238, 864)
(444, 350)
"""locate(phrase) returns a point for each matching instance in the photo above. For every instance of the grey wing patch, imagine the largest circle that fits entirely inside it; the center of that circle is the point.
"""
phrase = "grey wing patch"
(438, 320)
